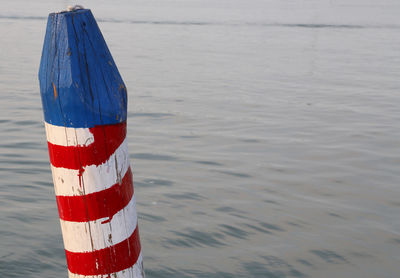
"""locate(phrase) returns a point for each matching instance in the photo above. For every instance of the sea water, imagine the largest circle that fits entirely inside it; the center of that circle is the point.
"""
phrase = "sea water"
(264, 136)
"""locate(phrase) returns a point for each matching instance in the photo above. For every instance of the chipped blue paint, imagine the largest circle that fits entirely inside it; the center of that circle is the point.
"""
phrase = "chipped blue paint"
(79, 82)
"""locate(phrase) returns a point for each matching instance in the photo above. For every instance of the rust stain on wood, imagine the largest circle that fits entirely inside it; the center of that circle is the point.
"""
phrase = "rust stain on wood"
(55, 91)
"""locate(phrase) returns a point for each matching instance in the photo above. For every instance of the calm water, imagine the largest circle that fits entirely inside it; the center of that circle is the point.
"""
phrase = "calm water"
(264, 136)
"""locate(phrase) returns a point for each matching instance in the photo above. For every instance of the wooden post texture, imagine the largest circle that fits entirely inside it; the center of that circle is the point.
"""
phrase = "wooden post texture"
(85, 109)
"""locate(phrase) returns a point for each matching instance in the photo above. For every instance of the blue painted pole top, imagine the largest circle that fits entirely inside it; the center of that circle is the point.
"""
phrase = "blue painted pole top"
(80, 84)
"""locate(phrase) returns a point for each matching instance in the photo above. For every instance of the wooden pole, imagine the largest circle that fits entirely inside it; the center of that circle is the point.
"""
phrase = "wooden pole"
(85, 110)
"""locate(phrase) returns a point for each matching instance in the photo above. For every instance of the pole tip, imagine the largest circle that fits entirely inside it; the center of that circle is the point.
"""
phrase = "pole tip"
(74, 8)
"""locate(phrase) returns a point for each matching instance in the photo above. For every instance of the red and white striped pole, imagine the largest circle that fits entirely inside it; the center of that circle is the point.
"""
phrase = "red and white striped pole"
(85, 109)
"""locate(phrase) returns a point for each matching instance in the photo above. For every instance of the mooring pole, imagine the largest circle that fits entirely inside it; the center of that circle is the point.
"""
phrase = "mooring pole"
(85, 109)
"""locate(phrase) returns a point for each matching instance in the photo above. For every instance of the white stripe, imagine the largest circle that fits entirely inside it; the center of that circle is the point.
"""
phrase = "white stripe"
(68, 136)
(93, 235)
(135, 271)
(94, 178)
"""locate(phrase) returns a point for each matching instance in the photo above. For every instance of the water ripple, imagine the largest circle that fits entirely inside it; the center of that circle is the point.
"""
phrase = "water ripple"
(212, 163)
(153, 182)
(194, 238)
(329, 256)
(234, 174)
(271, 227)
(185, 196)
(150, 156)
(257, 269)
(258, 229)
(150, 115)
(216, 23)
(151, 218)
(234, 231)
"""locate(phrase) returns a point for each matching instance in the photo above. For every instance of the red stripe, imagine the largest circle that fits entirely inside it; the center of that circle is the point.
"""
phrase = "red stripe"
(107, 138)
(93, 206)
(108, 260)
